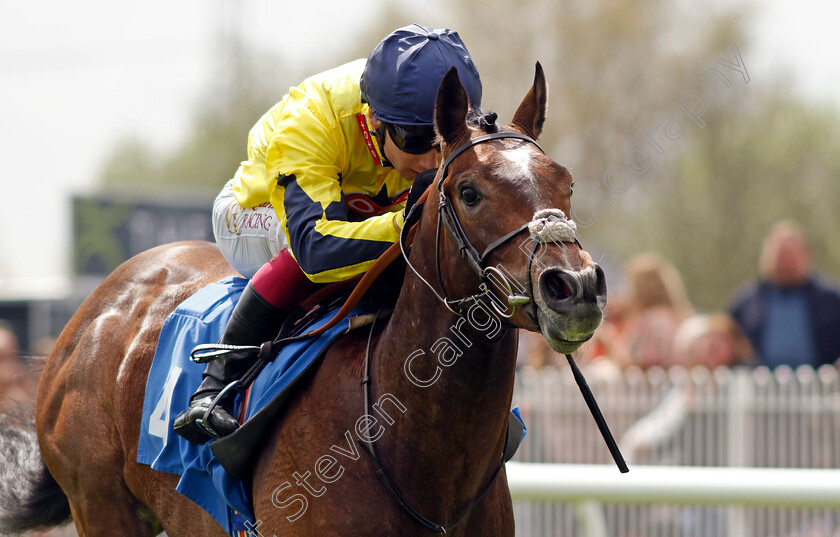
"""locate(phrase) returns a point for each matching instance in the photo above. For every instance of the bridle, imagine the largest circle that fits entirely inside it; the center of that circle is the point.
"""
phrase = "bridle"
(477, 260)
(488, 275)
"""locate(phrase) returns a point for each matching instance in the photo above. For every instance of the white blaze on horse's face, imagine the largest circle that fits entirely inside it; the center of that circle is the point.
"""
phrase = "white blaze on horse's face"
(516, 166)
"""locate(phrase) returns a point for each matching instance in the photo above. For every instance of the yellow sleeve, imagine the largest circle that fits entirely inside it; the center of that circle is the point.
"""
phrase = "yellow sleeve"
(251, 183)
(306, 155)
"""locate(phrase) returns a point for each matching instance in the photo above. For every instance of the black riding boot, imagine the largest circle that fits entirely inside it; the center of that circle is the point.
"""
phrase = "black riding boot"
(252, 322)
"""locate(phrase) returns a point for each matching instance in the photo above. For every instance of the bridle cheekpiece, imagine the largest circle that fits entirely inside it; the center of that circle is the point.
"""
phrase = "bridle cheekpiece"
(549, 225)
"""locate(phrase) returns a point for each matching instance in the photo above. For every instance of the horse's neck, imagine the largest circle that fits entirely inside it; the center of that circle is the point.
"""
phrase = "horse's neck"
(454, 387)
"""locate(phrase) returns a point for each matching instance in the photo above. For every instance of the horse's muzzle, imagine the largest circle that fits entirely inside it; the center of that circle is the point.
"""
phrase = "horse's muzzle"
(571, 305)
(562, 290)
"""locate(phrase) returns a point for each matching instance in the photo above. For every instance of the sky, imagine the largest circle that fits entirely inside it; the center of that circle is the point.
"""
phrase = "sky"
(77, 77)
(800, 38)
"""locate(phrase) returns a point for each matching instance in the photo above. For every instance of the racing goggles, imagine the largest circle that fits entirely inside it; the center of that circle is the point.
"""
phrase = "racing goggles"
(414, 139)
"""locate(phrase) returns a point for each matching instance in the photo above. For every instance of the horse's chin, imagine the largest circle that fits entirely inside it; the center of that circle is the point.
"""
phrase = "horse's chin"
(563, 339)
(565, 346)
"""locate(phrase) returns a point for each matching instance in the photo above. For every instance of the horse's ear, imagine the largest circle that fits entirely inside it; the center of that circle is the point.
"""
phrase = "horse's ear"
(530, 115)
(451, 109)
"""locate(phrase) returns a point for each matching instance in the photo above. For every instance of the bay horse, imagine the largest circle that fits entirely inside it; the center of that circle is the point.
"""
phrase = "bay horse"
(441, 367)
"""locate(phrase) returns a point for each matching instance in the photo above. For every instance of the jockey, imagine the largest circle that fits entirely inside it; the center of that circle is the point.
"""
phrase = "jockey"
(324, 190)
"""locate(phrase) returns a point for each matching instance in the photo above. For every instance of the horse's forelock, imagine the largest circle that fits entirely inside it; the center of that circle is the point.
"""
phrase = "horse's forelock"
(483, 120)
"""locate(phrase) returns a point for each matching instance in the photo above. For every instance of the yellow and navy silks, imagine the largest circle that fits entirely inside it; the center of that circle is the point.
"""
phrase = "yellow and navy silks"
(313, 158)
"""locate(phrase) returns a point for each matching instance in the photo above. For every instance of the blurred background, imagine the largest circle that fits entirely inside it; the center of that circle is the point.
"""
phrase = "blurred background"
(121, 122)
(690, 130)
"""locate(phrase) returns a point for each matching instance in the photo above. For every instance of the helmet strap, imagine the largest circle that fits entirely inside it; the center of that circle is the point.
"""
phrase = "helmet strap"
(380, 134)
(377, 150)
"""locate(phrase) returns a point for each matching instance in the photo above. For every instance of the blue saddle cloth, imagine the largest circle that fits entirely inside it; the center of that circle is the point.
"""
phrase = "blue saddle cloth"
(173, 378)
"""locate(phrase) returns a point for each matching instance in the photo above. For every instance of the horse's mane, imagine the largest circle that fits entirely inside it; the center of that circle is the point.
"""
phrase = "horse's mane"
(386, 289)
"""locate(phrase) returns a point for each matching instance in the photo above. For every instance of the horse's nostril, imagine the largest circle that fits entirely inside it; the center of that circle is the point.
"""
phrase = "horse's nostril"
(600, 283)
(558, 287)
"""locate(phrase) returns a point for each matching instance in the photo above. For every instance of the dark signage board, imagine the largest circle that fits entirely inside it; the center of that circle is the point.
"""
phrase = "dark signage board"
(108, 230)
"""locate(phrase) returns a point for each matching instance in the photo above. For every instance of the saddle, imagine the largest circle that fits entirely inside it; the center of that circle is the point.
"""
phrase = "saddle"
(173, 378)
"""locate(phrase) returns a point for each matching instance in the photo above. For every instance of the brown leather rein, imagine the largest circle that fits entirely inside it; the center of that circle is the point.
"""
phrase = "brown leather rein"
(382, 262)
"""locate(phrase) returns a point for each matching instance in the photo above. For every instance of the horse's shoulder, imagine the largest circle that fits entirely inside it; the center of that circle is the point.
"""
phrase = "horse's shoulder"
(344, 360)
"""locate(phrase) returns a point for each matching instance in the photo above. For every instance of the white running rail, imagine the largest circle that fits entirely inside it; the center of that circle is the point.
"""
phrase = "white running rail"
(767, 487)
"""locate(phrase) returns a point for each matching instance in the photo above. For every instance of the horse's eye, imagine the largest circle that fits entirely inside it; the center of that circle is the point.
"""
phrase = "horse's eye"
(572, 188)
(470, 195)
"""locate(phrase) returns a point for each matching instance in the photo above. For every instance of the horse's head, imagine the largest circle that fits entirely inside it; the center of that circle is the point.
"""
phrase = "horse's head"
(505, 206)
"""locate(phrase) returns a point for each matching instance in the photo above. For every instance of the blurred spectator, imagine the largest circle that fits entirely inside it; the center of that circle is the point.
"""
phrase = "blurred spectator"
(707, 340)
(641, 331)
(611, 329)
(790, 314)
(711, 340)
(12, 369)
(594, 356)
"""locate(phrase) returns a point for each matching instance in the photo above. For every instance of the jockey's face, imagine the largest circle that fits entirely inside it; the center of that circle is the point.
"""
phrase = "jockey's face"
(407, 164)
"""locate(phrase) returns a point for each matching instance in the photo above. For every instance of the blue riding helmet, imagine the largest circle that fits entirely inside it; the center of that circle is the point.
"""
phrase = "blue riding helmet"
(402, 74)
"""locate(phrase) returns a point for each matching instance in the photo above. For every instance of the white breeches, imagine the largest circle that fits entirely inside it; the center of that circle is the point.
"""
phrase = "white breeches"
(248, 238)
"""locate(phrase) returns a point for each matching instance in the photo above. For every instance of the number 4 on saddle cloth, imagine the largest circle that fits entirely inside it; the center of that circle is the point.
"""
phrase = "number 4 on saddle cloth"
(210, 476)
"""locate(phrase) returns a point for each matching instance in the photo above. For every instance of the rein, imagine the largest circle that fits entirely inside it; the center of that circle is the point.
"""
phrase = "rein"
(370, 449)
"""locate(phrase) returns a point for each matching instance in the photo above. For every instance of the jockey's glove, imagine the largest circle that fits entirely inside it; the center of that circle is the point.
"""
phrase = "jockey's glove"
(421, 183)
